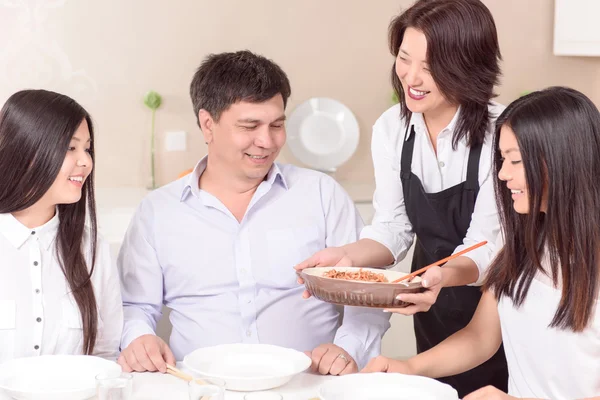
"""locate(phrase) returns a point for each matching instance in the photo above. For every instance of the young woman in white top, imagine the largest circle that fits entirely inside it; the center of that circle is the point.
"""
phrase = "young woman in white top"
(432, 158)
(541, 292)
(59, 292)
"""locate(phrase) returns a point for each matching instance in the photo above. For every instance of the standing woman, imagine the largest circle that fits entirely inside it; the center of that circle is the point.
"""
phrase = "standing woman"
(432, 157)
(59, 292)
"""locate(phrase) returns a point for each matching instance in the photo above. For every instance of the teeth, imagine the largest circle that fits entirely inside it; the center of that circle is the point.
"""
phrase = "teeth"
(416, 92)
(257, 157)
(516, 191)
(76, 178)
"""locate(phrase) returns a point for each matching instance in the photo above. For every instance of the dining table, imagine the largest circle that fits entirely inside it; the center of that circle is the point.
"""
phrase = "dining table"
(159, 386)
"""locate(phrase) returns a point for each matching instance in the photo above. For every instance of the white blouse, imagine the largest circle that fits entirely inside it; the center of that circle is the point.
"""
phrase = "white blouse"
(544, 362)
(38, 315)
(437, 172)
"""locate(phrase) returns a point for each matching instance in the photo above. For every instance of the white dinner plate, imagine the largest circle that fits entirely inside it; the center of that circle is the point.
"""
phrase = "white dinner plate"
(53, 377)
(383, 386)
(322, 133)
(248, 367)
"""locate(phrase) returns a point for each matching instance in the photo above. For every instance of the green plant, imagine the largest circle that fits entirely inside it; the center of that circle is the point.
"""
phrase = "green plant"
(152, 100)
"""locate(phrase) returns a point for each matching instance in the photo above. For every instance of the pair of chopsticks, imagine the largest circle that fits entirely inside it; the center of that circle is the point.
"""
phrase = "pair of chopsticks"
(186, 377)
(442, 261)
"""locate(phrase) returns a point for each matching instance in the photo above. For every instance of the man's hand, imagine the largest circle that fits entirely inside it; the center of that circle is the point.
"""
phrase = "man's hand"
(146, 353)
(329, 257)
(384, 364)
(421, 302)
(489, 393)
(331, 359)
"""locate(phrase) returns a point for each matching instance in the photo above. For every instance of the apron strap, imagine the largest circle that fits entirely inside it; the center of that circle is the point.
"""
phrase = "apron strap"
(407, 152)
(472, 182)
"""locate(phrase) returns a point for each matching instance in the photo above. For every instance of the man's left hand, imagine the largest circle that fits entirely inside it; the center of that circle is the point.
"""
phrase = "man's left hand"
(331, 359)
(489, 393)
(421, 302)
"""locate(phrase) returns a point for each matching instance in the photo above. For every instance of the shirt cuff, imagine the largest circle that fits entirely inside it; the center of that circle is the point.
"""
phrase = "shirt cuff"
(354, 347)
(393, 243)
(481, 257)
(133, 330)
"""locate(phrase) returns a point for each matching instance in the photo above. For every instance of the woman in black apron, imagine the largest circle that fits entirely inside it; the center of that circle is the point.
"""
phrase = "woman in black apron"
(432, 158)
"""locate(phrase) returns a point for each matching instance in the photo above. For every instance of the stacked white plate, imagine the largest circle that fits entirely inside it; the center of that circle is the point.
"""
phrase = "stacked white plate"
(382, 386)
(59, 377)
(248, 367)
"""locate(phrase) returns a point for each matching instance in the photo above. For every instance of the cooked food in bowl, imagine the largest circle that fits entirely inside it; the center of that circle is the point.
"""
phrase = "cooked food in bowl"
(361, 287)
(360, 275)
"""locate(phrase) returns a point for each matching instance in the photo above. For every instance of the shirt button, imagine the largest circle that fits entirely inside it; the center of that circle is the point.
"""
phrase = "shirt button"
(37, 291)
(35, 263)
(33, 232)
(248, 333)
(36, 347)
(248, 301)
(442, 165)
(243, 271)
(38, 319)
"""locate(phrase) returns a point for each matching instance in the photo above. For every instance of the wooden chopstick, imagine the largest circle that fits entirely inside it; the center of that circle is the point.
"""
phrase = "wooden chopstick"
(182, 375)
(442, 261)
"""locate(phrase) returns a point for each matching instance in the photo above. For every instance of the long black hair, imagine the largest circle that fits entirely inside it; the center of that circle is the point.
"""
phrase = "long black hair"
(558, 133)
(36, 127)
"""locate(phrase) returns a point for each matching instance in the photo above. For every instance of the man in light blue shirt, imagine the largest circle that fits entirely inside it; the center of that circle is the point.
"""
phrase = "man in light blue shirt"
(218, 246)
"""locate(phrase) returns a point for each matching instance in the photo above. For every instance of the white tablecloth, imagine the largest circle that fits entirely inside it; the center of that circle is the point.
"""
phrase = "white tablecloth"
(157, 386)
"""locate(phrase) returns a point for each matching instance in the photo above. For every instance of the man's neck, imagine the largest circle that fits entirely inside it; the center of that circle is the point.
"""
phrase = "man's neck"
(235, 194)
(214, 181)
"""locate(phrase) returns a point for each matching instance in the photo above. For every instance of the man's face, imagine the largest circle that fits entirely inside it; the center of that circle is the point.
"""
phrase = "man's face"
(247, 138)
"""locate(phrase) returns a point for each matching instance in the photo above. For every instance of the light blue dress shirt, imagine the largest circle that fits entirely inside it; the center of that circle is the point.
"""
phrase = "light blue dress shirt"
(234, 282)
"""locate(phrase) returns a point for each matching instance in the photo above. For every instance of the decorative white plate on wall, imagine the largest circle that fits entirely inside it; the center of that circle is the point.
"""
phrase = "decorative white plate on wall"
(323, 133)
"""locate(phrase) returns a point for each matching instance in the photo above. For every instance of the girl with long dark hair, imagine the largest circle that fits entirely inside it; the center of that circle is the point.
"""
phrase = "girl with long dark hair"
(59, 292)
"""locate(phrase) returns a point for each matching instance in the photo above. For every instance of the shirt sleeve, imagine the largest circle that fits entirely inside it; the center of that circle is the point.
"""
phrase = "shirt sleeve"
(362, 329)
(485, 225)
(110, 305)
(141, 277)
(390, 226)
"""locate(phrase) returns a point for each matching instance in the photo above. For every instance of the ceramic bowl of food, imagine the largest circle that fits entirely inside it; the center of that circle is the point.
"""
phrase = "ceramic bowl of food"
(361, 287)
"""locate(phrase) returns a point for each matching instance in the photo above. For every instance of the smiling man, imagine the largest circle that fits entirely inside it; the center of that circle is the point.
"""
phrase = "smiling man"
(218, 246)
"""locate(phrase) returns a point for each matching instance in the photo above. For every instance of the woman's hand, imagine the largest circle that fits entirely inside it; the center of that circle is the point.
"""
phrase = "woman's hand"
(384, 364)
(433, 282)
(489, 393)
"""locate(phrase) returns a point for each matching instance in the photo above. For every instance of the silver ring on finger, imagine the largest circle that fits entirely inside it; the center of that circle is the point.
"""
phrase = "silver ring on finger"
(343, 357)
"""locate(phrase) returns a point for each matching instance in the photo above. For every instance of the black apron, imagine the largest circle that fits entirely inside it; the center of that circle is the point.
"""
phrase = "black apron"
(440, 222)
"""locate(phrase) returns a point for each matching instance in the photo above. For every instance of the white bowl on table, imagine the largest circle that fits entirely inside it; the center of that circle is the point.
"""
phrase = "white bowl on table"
(248, 367)
(53, 377)
(385, 386)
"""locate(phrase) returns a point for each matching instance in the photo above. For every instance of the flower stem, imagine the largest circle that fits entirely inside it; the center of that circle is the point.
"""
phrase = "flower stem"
(152, 152)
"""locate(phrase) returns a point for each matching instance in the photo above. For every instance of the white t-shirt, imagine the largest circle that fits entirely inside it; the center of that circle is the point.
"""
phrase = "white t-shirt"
(544, 362)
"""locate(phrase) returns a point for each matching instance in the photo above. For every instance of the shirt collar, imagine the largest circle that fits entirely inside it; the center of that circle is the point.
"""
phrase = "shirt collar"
(419, 123)
(191, 184)
(17, 233)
